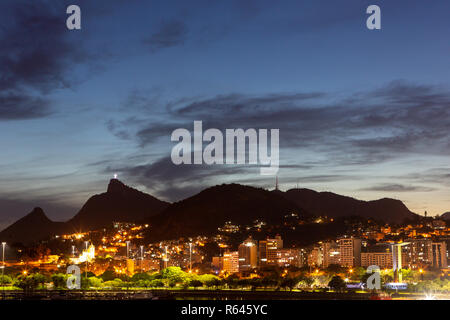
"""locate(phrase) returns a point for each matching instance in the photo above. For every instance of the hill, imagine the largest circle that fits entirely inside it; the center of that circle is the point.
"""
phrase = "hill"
(34, 226)
(210, 209)
(445, 216)
(118, 203)
(334, 205)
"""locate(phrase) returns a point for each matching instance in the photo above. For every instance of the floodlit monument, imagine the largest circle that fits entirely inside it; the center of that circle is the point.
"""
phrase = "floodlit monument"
(397, 260)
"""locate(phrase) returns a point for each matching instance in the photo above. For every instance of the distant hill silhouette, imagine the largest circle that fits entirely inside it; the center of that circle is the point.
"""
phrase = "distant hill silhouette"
(118, 203)
(203, 213)
(334, 205)
(34, 226)
(445, 216)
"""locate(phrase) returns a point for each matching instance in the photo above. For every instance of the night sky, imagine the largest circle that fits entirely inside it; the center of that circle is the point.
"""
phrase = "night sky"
(361, 113)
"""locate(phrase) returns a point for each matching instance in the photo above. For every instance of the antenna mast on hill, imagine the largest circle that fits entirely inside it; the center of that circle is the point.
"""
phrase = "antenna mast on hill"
(276, 183)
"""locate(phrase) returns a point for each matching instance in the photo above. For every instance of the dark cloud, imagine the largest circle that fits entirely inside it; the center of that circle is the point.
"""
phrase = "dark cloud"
(36, 57)
(436, 176)
(378, 125)
(361, 129)
(398, 188)
(170, 34)
(14, 107)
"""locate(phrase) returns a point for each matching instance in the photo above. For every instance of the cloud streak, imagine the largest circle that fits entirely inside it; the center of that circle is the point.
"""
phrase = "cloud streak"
(170, 34)
(397, 120)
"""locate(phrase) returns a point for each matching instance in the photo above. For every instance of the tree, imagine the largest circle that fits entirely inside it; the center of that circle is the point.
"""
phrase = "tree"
(4, 280)
(214, 282)
(337, 284)
(95, 282)
(59, 281)
(140, 276)
(174, 275)
(195, 284)
(108, 275)
(116, 283)
(156, 283)
(31, 282)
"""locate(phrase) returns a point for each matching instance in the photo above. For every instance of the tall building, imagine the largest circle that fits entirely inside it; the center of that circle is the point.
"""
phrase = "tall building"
(231, 261)
(420, 253)
(315, 257)
(248, 255)
(378, 255)
(130, 266)
(217, 263)
(330, 253)
(145, 265)
(350, 252)
(268, 250)
(291, 257)
(439, 250)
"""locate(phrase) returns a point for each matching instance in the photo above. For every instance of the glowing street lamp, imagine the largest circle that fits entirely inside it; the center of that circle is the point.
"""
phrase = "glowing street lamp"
(421, 273)
(3, 268)
(190, 256)
(86, 243)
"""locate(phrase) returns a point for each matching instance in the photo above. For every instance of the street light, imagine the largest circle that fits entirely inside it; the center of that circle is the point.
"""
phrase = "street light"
(3, 268)
(128, 246)
(86, 243)
(190, 256)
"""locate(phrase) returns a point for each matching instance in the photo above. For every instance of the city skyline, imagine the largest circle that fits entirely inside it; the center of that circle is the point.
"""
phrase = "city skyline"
(361, 113)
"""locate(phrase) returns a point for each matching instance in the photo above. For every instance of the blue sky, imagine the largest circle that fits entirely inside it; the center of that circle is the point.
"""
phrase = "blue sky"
(362, 113)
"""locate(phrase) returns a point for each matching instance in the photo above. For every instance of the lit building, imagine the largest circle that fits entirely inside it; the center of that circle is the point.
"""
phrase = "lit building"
(87, 255)
(130, 266)
(145, 265)
(350, 252)
(378, 255)
(231, 261)
(420, 252)
(315, 257)
(217, 263)
(330, 253)
(439, 250)
(439, 224)
(248, 255)
(375, 235)
(268, 250)
(291, 257)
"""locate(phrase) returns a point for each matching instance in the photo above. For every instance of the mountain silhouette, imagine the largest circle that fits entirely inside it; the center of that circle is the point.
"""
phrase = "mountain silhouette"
(334, 205)
(34, 226)
(445, 216)
(119, 203)
(203, 213)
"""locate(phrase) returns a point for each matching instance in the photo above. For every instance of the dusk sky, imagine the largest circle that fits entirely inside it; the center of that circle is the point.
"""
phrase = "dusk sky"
(363, 113)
